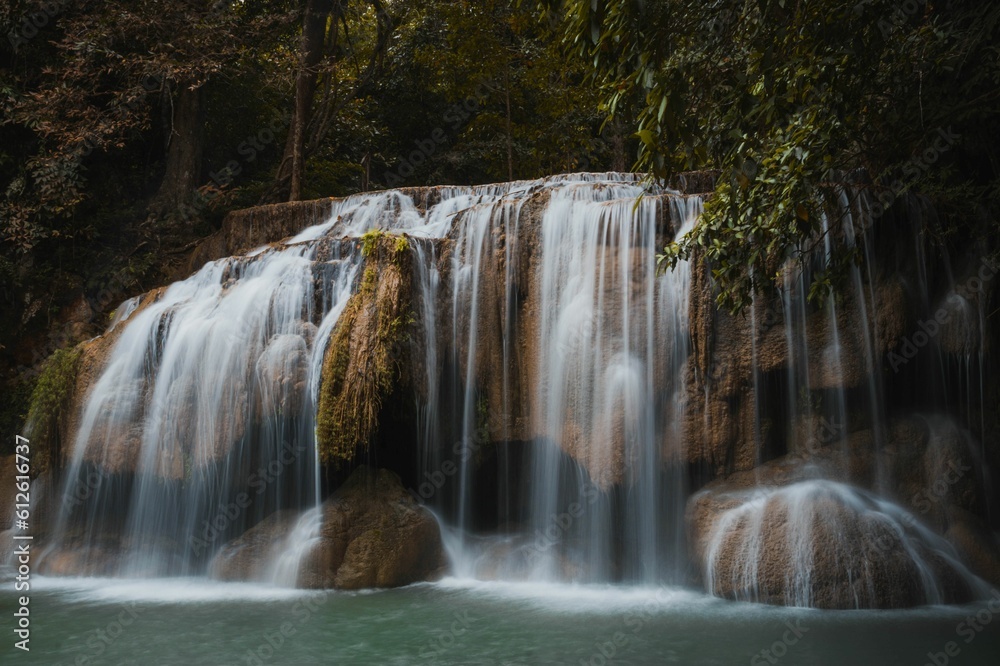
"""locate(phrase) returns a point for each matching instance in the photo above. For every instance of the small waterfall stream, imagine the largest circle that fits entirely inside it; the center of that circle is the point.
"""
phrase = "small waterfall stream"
(817, 526)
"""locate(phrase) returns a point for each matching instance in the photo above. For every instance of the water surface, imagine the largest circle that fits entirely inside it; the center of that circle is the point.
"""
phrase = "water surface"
(194, 621)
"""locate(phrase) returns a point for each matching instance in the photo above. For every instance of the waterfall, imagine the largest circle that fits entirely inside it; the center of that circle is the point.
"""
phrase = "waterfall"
(611, 337)
(207, 394)
(556, 399)
(214, 380)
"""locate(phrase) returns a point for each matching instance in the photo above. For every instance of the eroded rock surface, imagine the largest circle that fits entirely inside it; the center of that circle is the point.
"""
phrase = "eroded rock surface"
(372, 534)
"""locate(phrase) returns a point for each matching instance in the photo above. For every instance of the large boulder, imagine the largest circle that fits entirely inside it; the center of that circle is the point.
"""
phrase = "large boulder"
(925, 466)
(821, 544)
(371, 533)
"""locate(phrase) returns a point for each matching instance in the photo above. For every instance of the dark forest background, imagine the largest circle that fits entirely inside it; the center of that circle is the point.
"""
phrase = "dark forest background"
(129, 128)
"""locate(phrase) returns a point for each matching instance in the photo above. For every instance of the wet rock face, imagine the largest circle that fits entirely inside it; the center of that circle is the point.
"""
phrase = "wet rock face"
(281, 372)
(825, 545)
(93, 561)
(248, 557)
(751, 531)
(720, 383)
(244, 230)
(113, 447)
(372, 534)
(977, 545)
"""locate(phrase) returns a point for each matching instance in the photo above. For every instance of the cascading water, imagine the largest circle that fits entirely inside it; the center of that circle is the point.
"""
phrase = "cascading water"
(215, 381)
(803, 534)
(612, 337)
(550, 427)
(607, 340)
(204, 396)
(294, 548)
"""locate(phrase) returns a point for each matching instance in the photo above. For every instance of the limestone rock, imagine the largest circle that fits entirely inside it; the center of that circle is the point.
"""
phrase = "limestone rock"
(372, 534)
(821, 544)
(249, 556)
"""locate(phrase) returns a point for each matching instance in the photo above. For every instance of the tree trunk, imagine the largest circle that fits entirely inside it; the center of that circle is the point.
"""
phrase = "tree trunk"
(184, 150)
(619, 157)
(310, 54)
(309, 126)
(510, 139)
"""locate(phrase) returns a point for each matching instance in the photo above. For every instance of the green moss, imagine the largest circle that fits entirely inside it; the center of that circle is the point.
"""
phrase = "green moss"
(369, 281)
(364, 360)
(397, 246)
(402, 244)
(370, 242)
(49, 399)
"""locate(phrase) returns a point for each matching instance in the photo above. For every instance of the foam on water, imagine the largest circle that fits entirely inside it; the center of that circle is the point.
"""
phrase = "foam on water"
(583, 598)
(162, 590)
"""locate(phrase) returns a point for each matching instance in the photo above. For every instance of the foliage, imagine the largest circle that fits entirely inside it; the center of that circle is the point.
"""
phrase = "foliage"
(481, 92)
(91, 88)
(14, 413)
(377, 241)
(787, 97)
(53, 387)
(370, 242)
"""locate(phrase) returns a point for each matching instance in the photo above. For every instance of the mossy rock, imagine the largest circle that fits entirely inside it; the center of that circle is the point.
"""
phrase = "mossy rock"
(367, 354)
(49, 400)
